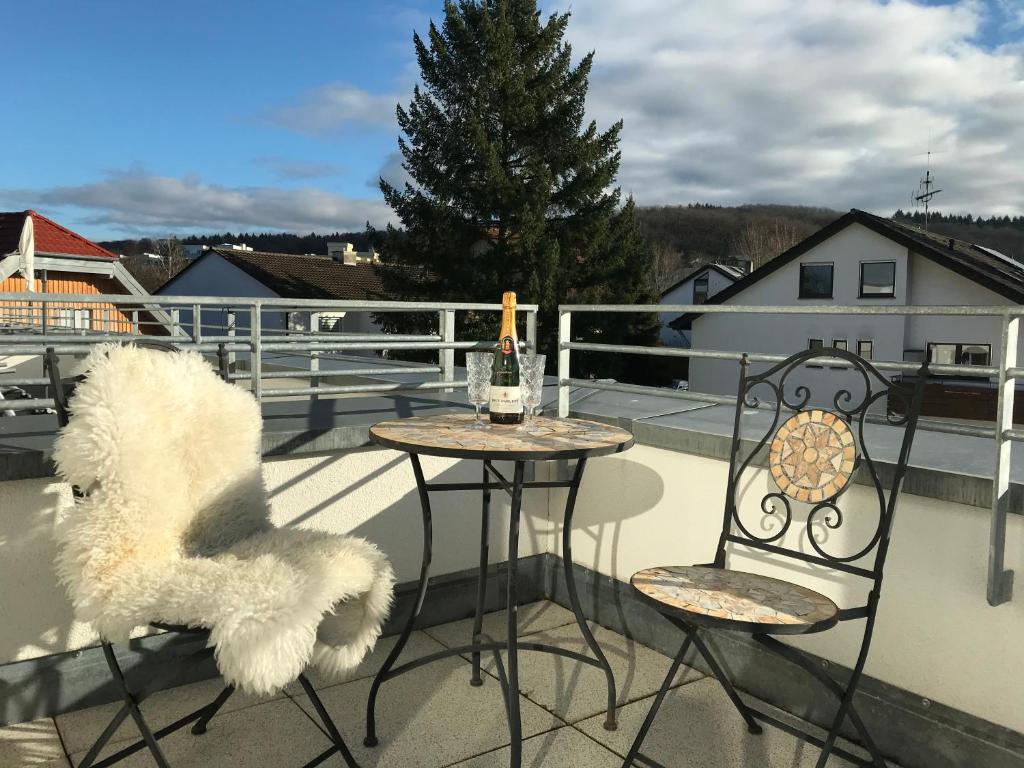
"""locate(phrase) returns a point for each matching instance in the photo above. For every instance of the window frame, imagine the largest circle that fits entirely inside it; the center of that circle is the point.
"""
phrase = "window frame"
(871, 347)
(845, 348)
(831, 284)
(860, 287)
(810, 345)
(958, 356)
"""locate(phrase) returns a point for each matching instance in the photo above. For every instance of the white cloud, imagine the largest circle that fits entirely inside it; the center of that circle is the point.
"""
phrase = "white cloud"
(137, 202)
(332, 109)
(820, 102)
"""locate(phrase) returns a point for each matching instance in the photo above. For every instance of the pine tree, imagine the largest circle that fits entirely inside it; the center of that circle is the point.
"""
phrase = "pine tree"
(510, 189)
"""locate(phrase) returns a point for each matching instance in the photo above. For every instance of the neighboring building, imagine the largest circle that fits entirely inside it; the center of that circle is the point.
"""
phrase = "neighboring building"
(864, 260)
(696, 288)
(60, 261)
(227, 271)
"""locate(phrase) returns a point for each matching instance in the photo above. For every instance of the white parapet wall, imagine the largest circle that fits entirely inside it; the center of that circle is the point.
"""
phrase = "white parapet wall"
(935, 636)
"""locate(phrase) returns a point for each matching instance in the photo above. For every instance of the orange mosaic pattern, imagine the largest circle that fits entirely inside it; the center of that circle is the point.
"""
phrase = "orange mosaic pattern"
(812, 456)
(734, 595)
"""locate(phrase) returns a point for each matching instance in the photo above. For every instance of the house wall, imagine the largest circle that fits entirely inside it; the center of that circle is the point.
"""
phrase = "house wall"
(104, 317)
(683, 294)
(786, 334)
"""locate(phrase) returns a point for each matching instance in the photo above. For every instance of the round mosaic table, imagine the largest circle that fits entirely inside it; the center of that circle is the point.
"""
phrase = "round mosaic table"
(545, 439)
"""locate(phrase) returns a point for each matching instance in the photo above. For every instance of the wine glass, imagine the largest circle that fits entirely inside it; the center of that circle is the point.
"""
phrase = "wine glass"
(531, 380)
(478, 374)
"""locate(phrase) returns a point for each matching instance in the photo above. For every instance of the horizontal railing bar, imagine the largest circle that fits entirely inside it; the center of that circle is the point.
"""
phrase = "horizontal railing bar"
(162, 301)
(339, 336)
(361, 388)
(5, 382)
(324, 373)
(836, 362)
(810, 309)
(277, 346)
(25, 404)
(1013, 434)
(639, 389)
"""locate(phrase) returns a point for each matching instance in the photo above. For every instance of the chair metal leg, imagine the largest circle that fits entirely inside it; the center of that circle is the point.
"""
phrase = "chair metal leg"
(512, 653)
(383, 674)
(723, 679)
(634, 750)
(332, 729)
(610, 723)
(481, 584)
(212, 708)
(133, 709)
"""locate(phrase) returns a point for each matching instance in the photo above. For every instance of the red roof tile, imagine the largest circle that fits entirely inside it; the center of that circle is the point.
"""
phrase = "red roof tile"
(51, 237)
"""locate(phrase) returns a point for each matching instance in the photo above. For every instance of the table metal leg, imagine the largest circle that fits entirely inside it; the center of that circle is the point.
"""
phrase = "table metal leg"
(570, 587)
(481, 585)
(421, 591)
(512, 663)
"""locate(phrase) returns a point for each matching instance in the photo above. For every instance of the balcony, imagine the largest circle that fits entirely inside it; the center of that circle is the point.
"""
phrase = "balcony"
(943, 679)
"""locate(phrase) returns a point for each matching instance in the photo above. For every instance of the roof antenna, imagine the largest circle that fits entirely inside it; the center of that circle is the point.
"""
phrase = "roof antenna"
(925, 193)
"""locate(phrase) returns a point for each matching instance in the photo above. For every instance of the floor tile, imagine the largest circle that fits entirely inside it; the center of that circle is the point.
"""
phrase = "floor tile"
(81, 728)
(575, 691)
(698, 727)
(564, 748)
(35, 744)
(533, 617)
(419, 645)
(276, 733)
(429, 717)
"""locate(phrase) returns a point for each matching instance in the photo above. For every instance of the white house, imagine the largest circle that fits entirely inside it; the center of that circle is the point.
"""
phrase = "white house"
(861, 260)
(228, 271)
(696, 288)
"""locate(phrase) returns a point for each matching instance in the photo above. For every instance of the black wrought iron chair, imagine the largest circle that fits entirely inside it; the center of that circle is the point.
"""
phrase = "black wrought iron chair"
(811, 455)
(184, 636)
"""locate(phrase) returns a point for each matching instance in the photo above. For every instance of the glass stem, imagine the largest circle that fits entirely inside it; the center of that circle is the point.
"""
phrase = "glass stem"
(477, 406)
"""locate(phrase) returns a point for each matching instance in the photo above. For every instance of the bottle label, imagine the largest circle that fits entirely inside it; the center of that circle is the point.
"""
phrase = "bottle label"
(508, 346)
(505, 400)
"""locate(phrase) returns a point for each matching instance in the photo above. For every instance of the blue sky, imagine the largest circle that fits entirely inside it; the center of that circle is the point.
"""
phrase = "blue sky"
(132, 118)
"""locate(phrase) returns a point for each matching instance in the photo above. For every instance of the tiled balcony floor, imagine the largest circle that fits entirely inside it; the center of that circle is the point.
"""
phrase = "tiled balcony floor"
(433, 718)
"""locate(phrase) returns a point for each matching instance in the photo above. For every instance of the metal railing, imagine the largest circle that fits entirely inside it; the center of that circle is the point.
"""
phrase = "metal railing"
(1006, 373)
(247, 335)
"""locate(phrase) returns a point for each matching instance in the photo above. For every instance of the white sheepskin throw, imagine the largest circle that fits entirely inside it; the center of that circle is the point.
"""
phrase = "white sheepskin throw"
(176, 527)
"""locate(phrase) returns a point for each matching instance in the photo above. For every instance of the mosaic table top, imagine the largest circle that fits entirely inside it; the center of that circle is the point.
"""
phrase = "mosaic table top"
(767, 604)
(812, 456)
(453, 435)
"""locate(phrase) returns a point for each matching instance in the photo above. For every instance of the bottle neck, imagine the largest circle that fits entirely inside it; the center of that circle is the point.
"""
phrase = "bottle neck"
(508, 322)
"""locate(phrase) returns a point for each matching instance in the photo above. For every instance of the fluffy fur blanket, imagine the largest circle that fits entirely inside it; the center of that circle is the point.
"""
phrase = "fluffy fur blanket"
(176, 527)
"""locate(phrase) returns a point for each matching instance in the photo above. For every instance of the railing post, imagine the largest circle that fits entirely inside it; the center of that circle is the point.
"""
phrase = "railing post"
(174, 322)
(230, 320)
(256, 351)
(446, 357)
(1000, 580)
(314, 356)
(135, 322)
(564, 337)
(197, 324)
(531, 331)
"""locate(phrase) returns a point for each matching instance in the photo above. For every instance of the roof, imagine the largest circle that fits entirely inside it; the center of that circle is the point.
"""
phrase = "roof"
(293, 276)
(729, 271)
(50, 237)
(984, 266)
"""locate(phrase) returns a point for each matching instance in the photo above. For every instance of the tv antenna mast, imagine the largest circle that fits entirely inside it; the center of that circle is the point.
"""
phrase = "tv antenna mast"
(925, 193)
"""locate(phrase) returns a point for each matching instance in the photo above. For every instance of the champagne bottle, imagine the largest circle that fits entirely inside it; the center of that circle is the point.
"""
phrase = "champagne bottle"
(506, 403)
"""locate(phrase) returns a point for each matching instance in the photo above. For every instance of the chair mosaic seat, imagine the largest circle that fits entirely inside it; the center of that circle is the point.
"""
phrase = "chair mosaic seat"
(735, 599)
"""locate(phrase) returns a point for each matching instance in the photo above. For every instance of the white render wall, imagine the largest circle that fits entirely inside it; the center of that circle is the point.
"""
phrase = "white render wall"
(936, 635)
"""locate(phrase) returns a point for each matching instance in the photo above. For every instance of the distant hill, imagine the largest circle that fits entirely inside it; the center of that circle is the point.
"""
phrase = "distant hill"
(273, 242)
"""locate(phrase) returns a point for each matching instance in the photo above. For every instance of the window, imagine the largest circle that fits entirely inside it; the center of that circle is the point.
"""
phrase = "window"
(700, 289)
(959, 354)
(877, 279)
(839, 344)
(297, 321)
(83, 319)
(64, 317)
(865, 348)
(815, 281)
(814, 344)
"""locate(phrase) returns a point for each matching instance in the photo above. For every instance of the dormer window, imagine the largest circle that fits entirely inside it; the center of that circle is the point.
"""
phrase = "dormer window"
(816, 281)
(700, 289)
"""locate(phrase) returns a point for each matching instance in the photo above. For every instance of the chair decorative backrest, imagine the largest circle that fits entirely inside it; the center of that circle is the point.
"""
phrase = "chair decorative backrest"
(814, 454)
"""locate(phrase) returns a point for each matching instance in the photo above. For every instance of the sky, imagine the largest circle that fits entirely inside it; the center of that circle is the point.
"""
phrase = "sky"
(139, 118)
